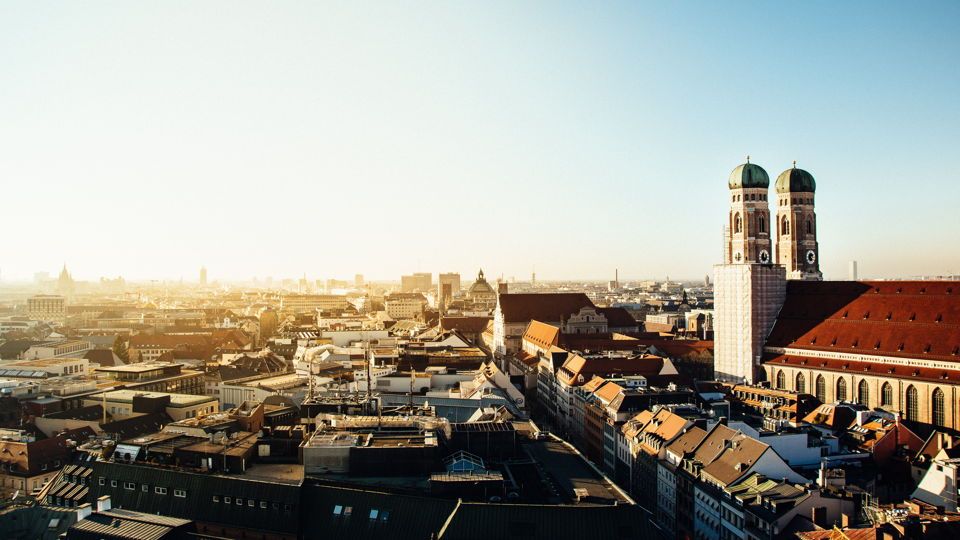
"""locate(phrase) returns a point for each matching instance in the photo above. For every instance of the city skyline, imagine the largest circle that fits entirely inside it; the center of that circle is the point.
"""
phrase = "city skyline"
(306, 138)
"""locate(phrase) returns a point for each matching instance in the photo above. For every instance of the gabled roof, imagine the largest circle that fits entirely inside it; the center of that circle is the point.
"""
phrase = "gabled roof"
(911, 319)
(618, 317)
(549, 307)
(738, 456)
(687, 442)
(542, 335)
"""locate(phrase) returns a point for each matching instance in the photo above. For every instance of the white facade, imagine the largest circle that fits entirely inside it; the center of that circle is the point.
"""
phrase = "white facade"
(747, 299)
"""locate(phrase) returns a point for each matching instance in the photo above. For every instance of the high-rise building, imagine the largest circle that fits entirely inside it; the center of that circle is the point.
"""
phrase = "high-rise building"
(47, 307)
(853, 271)
(449, 278)
(203, 276)
(416, 282)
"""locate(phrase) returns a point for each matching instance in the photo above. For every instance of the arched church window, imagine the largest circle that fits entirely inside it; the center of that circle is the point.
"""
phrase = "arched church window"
(801, 384)
(937, 409)
(886, 395)
(809, 227)
(841, 389)
(821, 389)
(784, 226)
(761, 224)
(913, 406)
(737, 224)
(863, 393)
(781, 380)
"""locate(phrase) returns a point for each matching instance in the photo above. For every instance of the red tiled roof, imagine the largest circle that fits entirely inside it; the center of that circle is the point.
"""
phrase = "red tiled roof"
(913, 319)
(542, 307)
(541, 334)
(171, 341)
(577, 366)
(947, 376)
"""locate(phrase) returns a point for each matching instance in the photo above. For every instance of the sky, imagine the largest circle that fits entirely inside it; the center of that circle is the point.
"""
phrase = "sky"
(146, 139)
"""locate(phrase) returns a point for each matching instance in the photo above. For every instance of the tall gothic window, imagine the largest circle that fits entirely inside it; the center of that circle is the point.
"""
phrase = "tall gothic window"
(841, 389)
(886, 395)
(761, 224)
(801, 385)
(913, 412)
(821, 389)
(784, 226)
(737, 224)
(781, 380)
(937, 408)
(863, 393)
(809, 227)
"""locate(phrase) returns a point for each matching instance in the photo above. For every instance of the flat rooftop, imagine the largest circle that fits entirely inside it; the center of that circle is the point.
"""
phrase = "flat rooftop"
(139, 367)
(176, 400)
(571, 471)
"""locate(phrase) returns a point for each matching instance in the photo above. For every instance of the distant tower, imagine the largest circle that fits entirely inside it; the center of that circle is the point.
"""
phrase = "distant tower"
(853, 271)
(203, 276)
(797, 247)
(706, 280)
(533, 279)
(749, 289)
(65, 284)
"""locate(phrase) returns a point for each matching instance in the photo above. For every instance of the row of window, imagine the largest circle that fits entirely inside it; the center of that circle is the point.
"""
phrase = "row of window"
(131, 486)
(912, 398)
(751, 197)
(375, 514)
(251, 503)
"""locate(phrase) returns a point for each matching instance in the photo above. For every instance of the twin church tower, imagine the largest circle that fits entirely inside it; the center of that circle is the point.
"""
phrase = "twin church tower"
(760, 255)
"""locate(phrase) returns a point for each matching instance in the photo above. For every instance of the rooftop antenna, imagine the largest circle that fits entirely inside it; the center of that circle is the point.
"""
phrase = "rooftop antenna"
(748, 158)
(794, 164)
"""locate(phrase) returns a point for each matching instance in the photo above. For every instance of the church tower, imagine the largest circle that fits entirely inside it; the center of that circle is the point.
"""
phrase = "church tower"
(748, 226)
(796, 226)
(749, 288)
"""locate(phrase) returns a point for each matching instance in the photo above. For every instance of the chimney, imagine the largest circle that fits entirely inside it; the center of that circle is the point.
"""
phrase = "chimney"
(818, 514)
(103, 503)
(84, 511)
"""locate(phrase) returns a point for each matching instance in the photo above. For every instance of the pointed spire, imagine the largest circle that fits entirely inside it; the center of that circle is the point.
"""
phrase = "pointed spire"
(794, 164)
(748, 158)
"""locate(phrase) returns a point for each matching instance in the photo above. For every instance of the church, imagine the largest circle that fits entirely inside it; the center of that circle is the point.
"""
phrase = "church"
(888, 344)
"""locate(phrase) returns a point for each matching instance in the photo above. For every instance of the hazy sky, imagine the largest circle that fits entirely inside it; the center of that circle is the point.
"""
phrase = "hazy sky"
(146, 139)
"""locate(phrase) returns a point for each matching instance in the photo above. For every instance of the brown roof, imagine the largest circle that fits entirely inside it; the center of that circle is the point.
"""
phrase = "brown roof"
(914, 319)
(608, 391)
(468, 325)
(35, 457)
(550, 307)
(618, 317)
(869, 533)
(741, 453)
(577, 366)
(688, 441)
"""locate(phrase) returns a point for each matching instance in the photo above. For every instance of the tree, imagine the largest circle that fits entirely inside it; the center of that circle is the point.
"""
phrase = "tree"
(120, 349)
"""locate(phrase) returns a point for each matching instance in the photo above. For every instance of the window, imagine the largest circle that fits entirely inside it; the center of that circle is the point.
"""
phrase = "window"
(841, 389)
(251, 503)
(276, 506)
(913, 412)
(781, 380)
(113, 483)
(373, 514)
(263, 505)
(160, 490)
(338, 510)
(145, 488)
(784, 226)
(129, 485)
(737, 224)
(227, 500)
(863, 393)
(216, 498)
(801, 383)
(937, 408)
(101, 481)
(180, 493)
(886, 395)
(809, 227)
(821, 389)
(761, 224)
(239, 501)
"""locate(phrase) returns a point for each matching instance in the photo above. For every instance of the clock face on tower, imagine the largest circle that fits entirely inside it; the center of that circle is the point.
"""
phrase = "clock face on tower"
(811, 257)
(764, 256)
